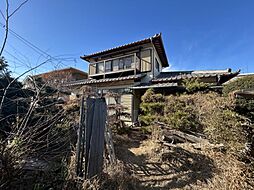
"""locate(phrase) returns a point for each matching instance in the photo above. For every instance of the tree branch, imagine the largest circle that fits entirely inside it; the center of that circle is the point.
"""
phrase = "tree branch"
(7, 17)
(18, 8)
(8, 86)
(6, 28)
(2, 15)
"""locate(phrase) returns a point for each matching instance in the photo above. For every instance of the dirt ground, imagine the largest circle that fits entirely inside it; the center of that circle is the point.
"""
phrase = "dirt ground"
(155, 166)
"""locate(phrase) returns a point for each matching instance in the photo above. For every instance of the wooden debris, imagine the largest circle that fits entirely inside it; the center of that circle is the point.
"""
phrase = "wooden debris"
(176, 136)
(181, 137)
(171, 137)
(208, 146)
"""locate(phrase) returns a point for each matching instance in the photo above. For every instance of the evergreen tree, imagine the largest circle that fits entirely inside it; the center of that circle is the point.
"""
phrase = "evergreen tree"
(13, 103)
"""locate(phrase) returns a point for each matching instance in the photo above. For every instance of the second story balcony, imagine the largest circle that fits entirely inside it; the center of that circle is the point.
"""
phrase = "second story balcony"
(128, 63)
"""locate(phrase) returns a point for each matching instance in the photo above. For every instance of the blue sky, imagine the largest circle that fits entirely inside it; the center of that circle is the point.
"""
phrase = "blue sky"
(197, 34)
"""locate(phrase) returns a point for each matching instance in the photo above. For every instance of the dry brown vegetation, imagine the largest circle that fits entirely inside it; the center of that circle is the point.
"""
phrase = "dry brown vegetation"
(44, 138)
(144, 162)
(208, 113)
(154, 166)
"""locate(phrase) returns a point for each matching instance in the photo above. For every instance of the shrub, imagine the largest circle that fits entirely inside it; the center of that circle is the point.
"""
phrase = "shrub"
(180, 113)
(152, 107)
(243, 106)
(194, 85)
(208, 113)
(225, 127)
(239, 84)
(150, 96)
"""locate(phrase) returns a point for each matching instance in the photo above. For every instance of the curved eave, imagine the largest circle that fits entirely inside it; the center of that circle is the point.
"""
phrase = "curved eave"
(115, 49)
(158, 44)
(156, 40)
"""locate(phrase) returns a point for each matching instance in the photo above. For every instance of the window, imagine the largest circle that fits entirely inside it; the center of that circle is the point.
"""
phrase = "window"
(100, 67)
(115, 64)
(108, 66)
(146, 60)
(128, 62)
(112, 65)
(121, 63)
(92, 69)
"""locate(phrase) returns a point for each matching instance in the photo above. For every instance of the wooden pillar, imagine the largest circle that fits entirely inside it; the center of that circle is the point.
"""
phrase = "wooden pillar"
(135, 64)
(104, 62)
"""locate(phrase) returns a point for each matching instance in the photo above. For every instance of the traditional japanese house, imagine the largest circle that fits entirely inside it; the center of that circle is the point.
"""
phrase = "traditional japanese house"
(133, 68)
(62, 75)
(56, 77)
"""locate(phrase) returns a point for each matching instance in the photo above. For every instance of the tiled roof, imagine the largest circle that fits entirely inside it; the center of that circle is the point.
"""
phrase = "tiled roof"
(180, 75)
(68, 69)
(159, 85)
(156, 40)
(94, 81)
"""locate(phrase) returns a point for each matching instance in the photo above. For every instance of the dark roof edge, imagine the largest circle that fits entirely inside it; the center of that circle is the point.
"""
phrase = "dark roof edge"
(228, 70)
(63, 69)
(94, 81)
(152, 39)
(225, 76)
(163, 57)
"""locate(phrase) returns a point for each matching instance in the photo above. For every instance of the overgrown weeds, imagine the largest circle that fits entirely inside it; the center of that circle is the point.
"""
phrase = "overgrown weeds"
(208, 113)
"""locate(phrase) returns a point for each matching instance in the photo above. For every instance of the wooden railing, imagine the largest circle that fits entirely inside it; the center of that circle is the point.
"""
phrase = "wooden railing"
(119, 64)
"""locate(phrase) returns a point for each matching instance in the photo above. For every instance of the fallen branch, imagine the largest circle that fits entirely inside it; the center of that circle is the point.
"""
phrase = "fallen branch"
(176, 136)
(179, 136)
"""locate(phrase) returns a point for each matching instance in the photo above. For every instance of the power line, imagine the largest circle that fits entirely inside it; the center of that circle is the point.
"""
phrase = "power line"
(23, 41)
(37, 49)
(29, 44)
(19, 60)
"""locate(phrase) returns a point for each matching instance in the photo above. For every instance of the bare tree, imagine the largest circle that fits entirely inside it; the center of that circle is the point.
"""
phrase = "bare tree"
(7, 17)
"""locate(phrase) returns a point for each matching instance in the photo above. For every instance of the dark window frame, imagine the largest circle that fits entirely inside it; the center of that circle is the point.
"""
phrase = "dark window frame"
(108, 66)
(97, 68)
(157, 64)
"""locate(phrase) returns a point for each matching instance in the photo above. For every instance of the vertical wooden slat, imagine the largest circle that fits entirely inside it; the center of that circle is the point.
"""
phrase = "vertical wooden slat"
(82, 143)
(88, 130)
(95, 162)
(94, 133)
(79, 140)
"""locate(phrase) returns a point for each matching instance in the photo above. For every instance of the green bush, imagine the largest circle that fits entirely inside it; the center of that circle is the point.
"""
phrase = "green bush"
(239, 84)
(150, 96)
(194, 85)
(180, 113)
(149, 119)
(243, 106)
(152, 107)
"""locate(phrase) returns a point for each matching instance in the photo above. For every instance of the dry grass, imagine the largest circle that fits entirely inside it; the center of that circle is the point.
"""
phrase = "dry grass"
(116, 177)
(113, 177)
(148, 148)
(156, 167)
(146, 164)
(229, 171)
(91, 184)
